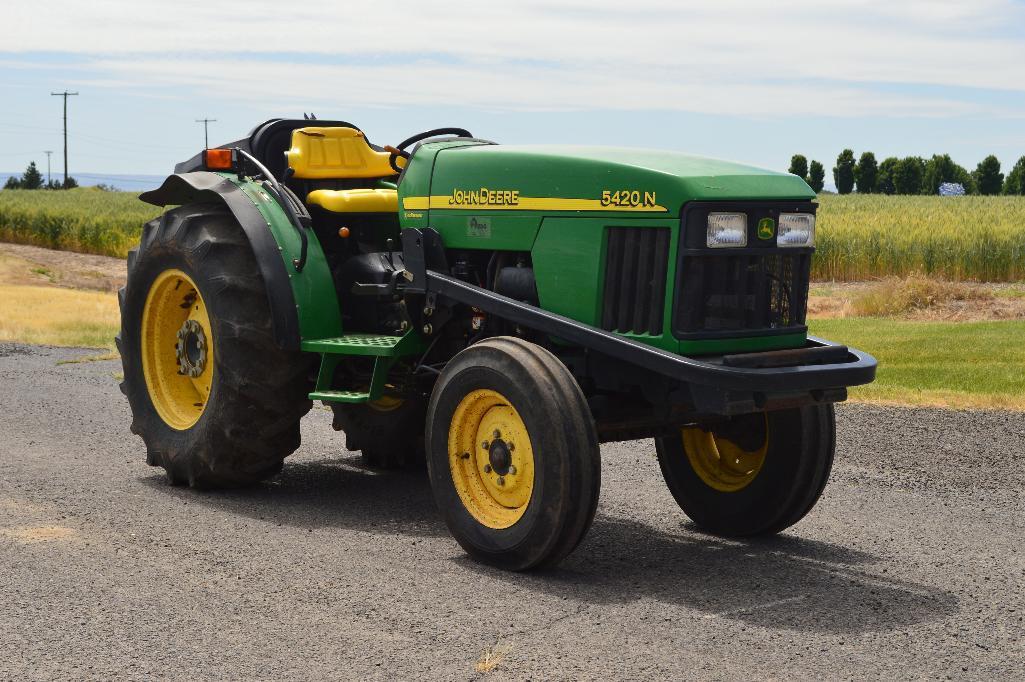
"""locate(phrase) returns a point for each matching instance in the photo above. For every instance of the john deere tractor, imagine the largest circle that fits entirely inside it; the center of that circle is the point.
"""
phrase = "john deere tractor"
(498, 310)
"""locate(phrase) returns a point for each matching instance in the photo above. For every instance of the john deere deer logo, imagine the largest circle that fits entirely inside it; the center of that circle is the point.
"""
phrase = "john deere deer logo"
(766, 228)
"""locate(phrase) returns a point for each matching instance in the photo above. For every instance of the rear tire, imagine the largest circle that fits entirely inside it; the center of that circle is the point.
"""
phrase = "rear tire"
(235, 421)
(389, 435)
(512, 454)
(763, 474)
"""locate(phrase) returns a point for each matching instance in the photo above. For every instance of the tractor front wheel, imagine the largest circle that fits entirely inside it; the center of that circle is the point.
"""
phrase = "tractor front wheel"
(512, 454)
(750, 475)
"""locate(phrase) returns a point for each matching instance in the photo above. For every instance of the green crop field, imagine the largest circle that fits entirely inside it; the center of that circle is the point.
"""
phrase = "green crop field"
(944, 364)
(859, 237)
(958, 238)
(86, 220)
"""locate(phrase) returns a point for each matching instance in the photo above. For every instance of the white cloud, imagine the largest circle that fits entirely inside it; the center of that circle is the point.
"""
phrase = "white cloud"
(730, 56)
(516, 87)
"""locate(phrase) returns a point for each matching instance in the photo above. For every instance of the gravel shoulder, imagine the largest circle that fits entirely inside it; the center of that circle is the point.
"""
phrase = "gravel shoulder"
(911, 566)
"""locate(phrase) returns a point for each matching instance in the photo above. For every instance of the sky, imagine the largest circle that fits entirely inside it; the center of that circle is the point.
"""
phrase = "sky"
(744, 80)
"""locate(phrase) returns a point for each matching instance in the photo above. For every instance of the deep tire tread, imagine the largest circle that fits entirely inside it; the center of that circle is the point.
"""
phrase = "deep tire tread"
(252, 421)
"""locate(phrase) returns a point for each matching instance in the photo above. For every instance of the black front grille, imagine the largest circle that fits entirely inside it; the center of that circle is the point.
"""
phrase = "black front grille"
(724, 294)
(731, 292)
(636, 263)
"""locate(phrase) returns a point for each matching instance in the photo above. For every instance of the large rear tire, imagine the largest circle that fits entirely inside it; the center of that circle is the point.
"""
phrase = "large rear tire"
(752, 475)
(389, 432)
(512, 454)
(216, 401)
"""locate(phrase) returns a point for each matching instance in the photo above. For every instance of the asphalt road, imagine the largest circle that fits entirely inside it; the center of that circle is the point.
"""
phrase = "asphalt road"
(912, 565)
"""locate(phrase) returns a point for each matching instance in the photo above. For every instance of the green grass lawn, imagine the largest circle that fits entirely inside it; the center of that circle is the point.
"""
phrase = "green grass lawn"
(959, 364)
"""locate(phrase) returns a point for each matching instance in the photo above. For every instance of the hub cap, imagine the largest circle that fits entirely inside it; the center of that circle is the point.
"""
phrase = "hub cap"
(491, 459)
(177, 349)
(721, 462)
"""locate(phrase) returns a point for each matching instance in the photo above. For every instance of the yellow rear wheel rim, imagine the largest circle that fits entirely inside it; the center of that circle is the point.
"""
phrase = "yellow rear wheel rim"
(491, 459)
(177, 347)
(721, 463)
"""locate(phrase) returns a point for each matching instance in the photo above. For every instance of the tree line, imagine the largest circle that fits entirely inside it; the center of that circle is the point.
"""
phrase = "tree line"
(910, 175)
(33, 179)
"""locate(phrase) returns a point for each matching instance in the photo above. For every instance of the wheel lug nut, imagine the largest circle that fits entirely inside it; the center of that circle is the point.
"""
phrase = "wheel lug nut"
(512, 470)
(484, 445)
(487, 468)
(501, 480)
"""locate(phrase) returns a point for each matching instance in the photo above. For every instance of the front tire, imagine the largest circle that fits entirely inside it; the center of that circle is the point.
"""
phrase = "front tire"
(751, 475)
(512, 454)
(216, 401)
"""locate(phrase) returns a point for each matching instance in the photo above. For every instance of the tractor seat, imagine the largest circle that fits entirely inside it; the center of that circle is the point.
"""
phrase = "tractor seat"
(355, 200)
(336, 153)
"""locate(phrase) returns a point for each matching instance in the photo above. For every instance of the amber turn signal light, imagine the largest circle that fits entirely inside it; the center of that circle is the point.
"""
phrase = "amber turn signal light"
(219, 159)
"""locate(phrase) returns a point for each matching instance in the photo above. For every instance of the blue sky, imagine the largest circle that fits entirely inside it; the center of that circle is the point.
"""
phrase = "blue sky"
(739, 79)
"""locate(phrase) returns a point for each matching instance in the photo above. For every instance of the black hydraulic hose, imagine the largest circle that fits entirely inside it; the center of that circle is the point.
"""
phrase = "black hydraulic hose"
(282, 198)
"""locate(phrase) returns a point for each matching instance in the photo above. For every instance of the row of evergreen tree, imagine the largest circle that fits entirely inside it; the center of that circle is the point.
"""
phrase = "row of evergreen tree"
(910, 175)
(33, 179)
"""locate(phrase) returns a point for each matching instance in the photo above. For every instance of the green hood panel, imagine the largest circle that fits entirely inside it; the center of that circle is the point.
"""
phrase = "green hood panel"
(592, 179)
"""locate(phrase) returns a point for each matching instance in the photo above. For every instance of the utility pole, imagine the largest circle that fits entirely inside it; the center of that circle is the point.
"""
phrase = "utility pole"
(48, 180)
(206, 137)
(65, 95)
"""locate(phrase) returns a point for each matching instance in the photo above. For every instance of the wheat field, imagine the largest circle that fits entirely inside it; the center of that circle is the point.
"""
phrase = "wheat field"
(858, 237)
(86, 220)
(971, 238)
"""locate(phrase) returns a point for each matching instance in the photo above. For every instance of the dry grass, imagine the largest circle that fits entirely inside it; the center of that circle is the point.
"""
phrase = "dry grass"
(918, 297)
(58, 317)
(23, 264)
(901, 296)
(902, 396)
(492, 656)
(34, 308)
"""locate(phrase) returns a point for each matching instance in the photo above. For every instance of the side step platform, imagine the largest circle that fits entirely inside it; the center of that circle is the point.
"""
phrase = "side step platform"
(385, 350)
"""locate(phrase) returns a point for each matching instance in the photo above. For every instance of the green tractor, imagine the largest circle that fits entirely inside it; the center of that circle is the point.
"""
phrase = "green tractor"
(498, 310)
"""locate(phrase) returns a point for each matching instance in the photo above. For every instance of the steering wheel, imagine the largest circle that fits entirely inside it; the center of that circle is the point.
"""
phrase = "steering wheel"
(400, 149)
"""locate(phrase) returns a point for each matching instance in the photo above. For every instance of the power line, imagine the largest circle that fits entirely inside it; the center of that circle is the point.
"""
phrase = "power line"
(206, 137)
(65, 95)
(48, 180)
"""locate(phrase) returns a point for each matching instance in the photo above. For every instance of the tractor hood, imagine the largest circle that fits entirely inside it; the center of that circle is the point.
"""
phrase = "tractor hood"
(571, 178)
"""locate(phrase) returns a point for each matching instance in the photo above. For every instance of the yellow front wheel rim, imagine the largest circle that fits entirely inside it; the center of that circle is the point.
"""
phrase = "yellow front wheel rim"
(491, 459)
(177, 347)
(721, 463)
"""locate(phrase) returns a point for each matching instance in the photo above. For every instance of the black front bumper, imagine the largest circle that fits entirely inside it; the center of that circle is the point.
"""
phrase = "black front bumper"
(731, 384)
(820, 372)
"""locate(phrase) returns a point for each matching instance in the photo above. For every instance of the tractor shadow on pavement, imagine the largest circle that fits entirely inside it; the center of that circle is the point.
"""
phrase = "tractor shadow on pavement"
(782, 583)
(338, 492)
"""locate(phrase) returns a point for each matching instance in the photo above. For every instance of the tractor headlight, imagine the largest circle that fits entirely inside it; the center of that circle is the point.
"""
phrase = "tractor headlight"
(726, 229)
(796, 229)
